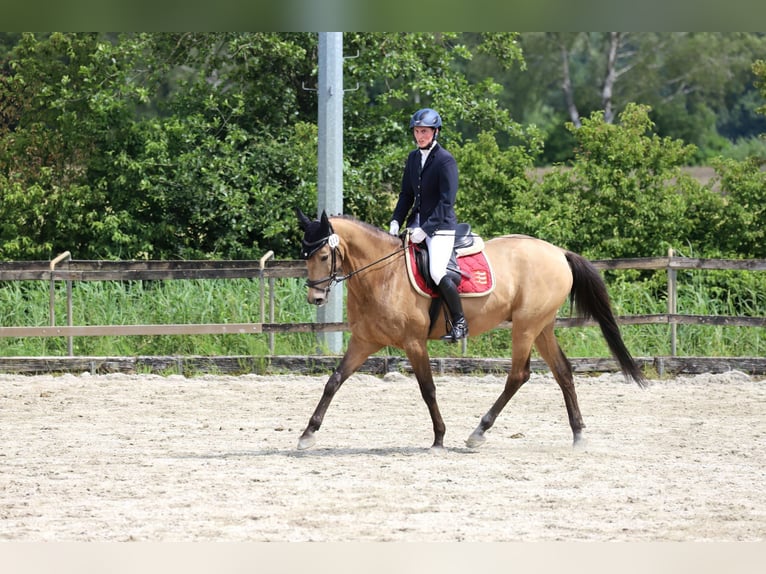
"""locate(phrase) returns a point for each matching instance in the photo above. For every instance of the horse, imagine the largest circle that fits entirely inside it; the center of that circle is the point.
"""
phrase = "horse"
(534, 278)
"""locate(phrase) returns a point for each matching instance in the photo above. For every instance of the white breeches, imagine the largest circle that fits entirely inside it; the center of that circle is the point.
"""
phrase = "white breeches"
(440, 248)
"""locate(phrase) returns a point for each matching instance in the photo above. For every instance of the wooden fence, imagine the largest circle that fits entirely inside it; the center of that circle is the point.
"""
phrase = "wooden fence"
(266, 270)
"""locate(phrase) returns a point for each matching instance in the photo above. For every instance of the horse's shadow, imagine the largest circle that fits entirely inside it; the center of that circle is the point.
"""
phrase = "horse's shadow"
(330, 452)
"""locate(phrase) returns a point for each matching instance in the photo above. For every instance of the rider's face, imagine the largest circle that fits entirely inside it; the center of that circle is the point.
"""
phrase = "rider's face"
(423, 135)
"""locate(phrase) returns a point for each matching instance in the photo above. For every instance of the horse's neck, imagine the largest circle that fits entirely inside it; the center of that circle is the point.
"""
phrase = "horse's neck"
(361, 246)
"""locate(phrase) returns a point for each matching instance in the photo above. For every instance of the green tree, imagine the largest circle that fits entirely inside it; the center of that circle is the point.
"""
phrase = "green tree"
(698, 85)
(742, 231)
(153, 145)
(743, 192)
(56, 93)
(202, 144)
(625, 195)
(194, 145)
(495, 185)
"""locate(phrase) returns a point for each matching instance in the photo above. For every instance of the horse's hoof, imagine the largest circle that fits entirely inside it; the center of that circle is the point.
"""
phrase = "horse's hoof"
(475, 440)
(580, 443)
(306, 442)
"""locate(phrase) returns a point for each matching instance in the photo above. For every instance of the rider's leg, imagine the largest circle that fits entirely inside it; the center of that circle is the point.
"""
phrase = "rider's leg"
(440, 248)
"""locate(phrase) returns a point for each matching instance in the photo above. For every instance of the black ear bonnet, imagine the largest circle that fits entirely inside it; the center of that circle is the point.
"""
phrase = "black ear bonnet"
(315, 235)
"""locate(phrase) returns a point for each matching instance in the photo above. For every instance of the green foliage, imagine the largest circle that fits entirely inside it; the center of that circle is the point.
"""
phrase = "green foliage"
(625, 194)
(159, 146)
(699, 85)
(742, 228)
(494, 183)
(200, 145)
(197, 145)
(745, 148)
(759, 70)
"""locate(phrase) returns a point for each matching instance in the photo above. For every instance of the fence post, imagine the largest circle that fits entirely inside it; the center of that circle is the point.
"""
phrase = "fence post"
(269, 254)
(672, 303)
(52, 303)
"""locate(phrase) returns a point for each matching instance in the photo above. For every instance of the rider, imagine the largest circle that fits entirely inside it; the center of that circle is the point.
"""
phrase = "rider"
(429, 188)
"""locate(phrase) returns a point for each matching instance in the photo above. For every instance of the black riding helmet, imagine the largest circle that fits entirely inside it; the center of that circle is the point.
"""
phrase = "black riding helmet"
(426, 118)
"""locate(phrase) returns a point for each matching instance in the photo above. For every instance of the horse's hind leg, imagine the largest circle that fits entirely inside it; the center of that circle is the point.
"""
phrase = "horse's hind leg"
(518, 375)
(355, 356)
(561, 368)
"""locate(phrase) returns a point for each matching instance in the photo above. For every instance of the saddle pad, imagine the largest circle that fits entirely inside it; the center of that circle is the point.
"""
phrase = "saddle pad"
(478, 279)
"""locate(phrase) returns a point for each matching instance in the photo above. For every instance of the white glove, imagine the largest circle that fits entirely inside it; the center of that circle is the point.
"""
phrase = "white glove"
(394, 229)
(417, 235)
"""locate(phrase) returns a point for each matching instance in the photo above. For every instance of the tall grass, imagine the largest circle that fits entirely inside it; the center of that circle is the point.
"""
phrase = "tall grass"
(238, 301)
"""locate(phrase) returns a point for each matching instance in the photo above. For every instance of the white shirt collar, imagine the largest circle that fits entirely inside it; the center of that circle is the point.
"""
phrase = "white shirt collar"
(424, 154)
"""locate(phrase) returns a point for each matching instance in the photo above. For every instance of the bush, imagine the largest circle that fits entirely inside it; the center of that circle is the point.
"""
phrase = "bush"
(625, 194)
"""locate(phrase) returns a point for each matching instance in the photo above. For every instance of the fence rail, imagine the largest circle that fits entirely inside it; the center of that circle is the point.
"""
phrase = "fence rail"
(266, 270)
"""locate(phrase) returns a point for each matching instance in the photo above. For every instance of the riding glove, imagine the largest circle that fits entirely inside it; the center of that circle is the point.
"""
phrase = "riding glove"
(417, 235)
(394, 229)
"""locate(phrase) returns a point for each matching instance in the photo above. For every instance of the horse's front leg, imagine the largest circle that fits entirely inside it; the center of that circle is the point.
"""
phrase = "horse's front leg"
(418, 356)
(355, 356)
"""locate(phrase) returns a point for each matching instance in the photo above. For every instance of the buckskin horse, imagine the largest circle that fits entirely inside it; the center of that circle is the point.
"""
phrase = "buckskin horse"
(533, 280)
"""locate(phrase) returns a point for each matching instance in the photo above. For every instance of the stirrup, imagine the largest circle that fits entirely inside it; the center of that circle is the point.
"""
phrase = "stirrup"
(459, 331)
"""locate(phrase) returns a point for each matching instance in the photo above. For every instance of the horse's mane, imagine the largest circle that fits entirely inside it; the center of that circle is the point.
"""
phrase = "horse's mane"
(377, 231)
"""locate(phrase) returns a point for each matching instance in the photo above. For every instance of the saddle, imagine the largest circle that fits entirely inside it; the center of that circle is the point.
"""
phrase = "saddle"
(468, 267)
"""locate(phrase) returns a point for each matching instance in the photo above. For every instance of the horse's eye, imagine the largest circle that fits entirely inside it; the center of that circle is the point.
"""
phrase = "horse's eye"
(325, 257)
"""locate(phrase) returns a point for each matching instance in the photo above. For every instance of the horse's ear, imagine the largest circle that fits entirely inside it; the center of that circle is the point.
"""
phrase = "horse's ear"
(325, 221)
(303, 220)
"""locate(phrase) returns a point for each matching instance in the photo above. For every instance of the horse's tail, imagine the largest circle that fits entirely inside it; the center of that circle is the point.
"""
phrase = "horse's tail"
(590, 300)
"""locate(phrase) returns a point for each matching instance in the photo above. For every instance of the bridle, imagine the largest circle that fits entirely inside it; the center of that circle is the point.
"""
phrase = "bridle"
(332, 240)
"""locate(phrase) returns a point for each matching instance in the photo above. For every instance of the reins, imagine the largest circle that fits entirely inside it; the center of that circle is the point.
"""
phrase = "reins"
(334, 277)
(344, 277)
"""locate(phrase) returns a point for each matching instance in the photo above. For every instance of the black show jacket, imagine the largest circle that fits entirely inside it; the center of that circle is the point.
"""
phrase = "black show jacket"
(430, 191)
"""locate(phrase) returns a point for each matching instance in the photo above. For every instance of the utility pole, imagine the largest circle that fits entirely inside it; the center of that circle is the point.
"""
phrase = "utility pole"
(330, 172)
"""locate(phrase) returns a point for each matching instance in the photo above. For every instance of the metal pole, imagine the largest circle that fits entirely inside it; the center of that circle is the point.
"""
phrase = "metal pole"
(330, 172)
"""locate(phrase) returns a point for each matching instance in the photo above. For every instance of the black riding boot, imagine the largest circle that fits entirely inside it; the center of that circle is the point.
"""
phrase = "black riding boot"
(448, 292)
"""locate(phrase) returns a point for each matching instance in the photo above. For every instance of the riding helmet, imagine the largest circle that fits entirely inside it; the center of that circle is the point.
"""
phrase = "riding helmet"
(426, 118)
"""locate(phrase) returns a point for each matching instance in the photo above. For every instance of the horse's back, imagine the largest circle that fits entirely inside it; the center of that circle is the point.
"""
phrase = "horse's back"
(530, 271)
(524, 250)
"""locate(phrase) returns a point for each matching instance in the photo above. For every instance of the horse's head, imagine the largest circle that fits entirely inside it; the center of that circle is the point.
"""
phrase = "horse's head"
(318, 248)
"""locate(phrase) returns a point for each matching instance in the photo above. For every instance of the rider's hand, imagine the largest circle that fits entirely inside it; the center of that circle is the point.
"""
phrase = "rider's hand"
(417, 235)
(394, 229)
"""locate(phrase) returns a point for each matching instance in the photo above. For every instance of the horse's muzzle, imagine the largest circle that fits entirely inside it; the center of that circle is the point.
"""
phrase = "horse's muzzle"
(317, 297)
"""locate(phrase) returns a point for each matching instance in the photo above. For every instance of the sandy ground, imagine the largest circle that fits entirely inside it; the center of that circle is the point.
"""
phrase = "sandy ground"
(150, 458)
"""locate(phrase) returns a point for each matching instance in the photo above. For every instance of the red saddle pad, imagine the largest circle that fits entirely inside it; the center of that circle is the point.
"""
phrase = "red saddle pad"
(478, 279)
